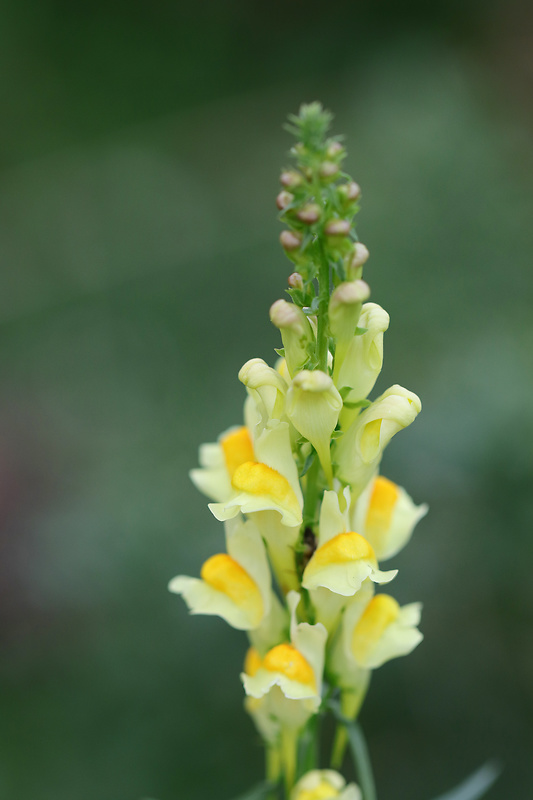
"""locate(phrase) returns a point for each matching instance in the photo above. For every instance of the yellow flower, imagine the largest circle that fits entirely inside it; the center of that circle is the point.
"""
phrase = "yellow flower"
(343, 558)
(363, 359)
(313, 407)
(359, 451)
(374, 629)
(270, 483)
(386, 516)
(235, 585)
(324, 784)
(295, 669)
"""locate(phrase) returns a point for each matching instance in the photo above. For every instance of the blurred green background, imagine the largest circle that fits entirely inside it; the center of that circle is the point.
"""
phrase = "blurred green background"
(140, 149)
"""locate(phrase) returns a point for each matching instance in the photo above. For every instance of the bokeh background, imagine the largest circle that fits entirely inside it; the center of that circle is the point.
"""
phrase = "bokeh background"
(140, 149)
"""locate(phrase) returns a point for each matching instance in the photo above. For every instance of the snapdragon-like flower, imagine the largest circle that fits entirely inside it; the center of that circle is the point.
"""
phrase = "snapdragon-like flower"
(295, 667)
(313, 407)
(362, 359)
(235, 585)
(386, 516)
(343, 558)
(374, 629)
(359, 451)
(268, 484)
(324, 784)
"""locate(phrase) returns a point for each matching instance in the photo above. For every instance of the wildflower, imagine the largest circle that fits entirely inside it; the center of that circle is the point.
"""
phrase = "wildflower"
(343, 558)
(386, 516)
(324, 784)
(358, 452)
(313, 407)
(235, 585)
(270, 483)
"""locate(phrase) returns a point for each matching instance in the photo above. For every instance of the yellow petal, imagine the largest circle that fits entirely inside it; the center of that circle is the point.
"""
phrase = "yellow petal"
(287, 660)
(381, 611)
(225, 575)
(343, 548)
(324, 791)
(258, 479)
(237, 448)
(384, 497)
(252, 661)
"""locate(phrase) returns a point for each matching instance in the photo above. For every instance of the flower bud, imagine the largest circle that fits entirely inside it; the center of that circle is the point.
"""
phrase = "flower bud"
(320, 784)
(291, 179)
(309, 214)
(296, 333)
(313, 406)
(363, 359)
(329, 170)
(358, 259)
(344, 309)
(266, 386)
(296, 281)
(338, 227)
(334, 150)
(349, 191)
(284, 199)
(290, 240)
(359, 451)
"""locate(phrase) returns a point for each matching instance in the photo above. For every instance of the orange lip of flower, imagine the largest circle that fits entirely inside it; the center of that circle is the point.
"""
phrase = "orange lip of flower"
(258, 479)
(225, 575)
(287, 660)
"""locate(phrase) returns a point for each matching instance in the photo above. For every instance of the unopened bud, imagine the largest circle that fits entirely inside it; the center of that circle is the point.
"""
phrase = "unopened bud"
(309, 213)
(344, 310)
(290, 179)
(338, 227)
(334, 149)
(296, 281)
(360, 255)
(296, 333)
(285, 315)
(350, 191)
(328, 169)
(290, 240)
(284, 199)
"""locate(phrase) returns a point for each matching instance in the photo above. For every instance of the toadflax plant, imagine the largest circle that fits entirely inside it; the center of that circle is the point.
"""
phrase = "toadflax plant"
(308, 517)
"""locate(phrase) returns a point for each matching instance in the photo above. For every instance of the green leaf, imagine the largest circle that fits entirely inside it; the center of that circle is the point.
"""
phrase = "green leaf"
(307, 463)
(257, 792)
(359, 750)
(359, 331)
(345, 391)
(358, 404)
(280, 351)
(336, 434)
(476, 785)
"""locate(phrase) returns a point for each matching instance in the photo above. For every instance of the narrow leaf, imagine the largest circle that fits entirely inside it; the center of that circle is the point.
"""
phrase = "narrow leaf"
(476, 785)
(360, 331)
(358, 404)
(280, 351)
(360, 753)
(257, 792)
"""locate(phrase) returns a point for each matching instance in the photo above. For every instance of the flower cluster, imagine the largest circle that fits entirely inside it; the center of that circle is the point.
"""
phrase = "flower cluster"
(308, 516)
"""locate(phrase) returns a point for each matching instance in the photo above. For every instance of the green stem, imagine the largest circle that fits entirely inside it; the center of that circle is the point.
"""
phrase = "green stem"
(362, 762)
(351, 702)
(323, 304)
(311, 493)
